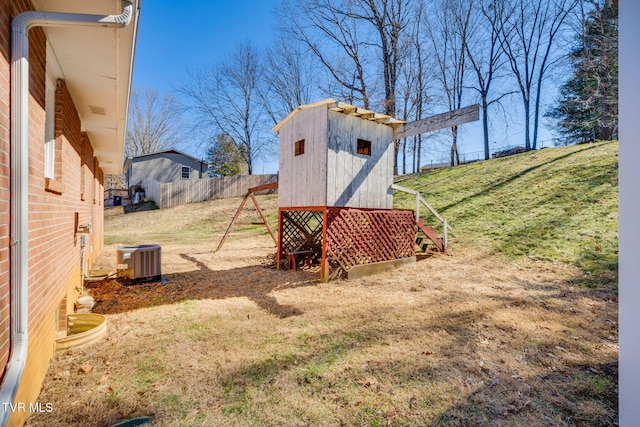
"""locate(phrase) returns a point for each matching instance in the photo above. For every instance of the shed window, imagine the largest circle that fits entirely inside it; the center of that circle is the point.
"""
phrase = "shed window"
(364, 147)
(186, 172)
(299, 147)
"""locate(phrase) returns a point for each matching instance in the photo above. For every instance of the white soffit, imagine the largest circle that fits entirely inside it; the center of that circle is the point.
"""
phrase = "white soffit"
(97, 64)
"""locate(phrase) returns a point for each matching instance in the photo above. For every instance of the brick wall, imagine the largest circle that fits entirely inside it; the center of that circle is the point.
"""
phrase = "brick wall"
(56, 207)
(5, 25)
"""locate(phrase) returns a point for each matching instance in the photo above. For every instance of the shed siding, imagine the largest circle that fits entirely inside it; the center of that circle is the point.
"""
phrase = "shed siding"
(163, 167)
(357, 180)
(302, 179)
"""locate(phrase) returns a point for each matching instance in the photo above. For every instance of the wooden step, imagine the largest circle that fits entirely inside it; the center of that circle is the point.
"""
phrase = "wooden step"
(430, 234)
(422, 243)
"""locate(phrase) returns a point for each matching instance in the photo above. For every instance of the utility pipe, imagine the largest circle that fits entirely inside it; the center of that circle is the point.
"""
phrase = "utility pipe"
(19, 288)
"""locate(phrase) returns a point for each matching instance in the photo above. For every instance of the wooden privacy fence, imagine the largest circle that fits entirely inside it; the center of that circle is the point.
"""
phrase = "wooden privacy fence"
(168, 194)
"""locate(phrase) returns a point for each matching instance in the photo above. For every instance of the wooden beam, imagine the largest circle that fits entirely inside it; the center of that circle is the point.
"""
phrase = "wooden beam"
(262, 187)
(255, 202)
(279, 252)
(439, 121)
(363, 270)
(264, 219)
(233, 220)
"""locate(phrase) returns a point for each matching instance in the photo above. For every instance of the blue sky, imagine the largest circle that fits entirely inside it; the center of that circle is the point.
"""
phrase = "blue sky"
(175, 37)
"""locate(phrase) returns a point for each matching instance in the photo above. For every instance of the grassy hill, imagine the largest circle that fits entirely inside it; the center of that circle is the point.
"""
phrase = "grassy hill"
(557, 204)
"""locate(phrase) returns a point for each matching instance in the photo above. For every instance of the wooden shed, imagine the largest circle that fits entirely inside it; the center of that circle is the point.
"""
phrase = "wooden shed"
(334, 190)
(337, 155)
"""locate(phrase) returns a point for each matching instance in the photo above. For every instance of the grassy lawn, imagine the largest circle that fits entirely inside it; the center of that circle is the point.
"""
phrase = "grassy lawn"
(556, 204)
(515, 326)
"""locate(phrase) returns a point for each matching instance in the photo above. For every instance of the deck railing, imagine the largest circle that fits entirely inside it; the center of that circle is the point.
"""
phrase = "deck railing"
(420, 200)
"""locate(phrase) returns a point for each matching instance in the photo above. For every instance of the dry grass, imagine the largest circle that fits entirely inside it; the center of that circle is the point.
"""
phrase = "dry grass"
(474, 337)
(468, 338)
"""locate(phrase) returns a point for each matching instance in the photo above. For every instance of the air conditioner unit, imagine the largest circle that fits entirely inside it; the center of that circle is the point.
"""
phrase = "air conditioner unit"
(139, 262)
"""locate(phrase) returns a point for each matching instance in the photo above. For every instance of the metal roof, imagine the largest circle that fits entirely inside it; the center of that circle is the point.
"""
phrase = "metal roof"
(348, 109)
(130, 159)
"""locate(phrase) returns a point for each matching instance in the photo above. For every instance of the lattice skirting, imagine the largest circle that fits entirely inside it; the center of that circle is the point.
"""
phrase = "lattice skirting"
(341, 238)
(301, 230)
(357, 237)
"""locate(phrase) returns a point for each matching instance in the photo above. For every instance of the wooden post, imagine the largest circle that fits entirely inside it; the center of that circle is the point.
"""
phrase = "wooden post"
(255, 202)
(279, 252)
(264, 219)
(235, 217)
(445, 236)
(324, 263)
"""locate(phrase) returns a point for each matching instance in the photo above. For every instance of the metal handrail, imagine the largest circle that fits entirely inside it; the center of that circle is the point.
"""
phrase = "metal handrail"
(419, 199)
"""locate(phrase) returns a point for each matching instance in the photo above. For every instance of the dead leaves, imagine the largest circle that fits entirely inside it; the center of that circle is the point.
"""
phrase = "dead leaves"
(370, 383)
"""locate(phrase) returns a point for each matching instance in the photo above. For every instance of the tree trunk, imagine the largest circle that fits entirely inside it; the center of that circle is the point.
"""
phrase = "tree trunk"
(485, 125)
(418, 162)
(396, 149)
(527, 121)
(536, 117)
(455, 156)
(404, 156)
(415, 168)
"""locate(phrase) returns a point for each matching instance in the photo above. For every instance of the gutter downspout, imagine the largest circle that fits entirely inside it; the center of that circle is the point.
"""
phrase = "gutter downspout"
(19, 288)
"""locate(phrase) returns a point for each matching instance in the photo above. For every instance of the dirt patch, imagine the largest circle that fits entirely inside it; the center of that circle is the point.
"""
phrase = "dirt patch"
(253, 282)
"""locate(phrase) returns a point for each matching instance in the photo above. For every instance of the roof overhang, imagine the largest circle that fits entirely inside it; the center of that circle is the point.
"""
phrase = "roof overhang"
(347, 109)
(97, 64)
(129, 160)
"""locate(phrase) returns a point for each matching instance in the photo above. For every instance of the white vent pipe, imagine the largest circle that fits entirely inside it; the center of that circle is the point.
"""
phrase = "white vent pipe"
(19, 289)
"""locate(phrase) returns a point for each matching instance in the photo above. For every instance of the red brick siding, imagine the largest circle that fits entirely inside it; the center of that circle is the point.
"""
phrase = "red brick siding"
(54, 248)
(5, 69)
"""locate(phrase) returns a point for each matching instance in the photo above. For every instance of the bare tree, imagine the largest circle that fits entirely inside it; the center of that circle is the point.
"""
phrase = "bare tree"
(448, 30)
(390, 19)
(485, 56)
(404, 111)
(530, 29)
(353, 39)
(154, 123)
(335, 39)
(225, 100)
(288, 78)
(422, 74)
(412, 84)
